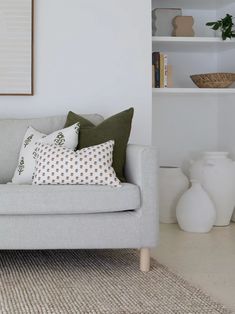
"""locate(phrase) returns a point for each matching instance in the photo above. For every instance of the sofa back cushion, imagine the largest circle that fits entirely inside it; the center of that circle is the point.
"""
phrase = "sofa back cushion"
(12, 132)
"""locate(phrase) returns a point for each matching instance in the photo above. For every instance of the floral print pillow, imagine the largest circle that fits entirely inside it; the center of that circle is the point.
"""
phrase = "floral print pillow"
(24, 172)
(59, 165)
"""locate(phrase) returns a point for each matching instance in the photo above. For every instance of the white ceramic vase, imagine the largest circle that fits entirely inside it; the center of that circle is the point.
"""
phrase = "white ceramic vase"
(216, 173)
(195, 211)
(172, 184)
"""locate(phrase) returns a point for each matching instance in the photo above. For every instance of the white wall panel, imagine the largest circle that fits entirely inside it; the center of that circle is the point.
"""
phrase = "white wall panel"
(90, 56)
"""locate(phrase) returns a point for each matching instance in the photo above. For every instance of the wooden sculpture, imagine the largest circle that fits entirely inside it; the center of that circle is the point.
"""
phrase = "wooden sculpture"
(183, 26)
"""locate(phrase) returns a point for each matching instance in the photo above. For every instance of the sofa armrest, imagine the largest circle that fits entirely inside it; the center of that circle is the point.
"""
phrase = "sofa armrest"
(142, 170)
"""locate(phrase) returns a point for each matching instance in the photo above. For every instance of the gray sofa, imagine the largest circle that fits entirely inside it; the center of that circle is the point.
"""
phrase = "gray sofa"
(77, 217)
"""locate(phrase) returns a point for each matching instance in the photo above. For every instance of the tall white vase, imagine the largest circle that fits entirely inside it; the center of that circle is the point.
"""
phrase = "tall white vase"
(195, 210)
(172, 184)
(216, 173)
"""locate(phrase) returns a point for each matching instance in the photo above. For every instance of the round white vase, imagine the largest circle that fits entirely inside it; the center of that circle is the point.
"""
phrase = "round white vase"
(216, 173)
(195, 211)
(172, 184)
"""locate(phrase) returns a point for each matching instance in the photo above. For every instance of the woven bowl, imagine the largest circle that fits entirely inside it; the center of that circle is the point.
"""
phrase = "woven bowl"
(213, 80)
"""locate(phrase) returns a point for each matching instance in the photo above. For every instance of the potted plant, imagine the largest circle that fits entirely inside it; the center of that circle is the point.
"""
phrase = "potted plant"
(225, 25)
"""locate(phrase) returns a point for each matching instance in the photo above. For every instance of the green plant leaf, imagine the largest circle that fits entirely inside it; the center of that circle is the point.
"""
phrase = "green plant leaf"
(210, 23)
(225, 25)
(216, 26)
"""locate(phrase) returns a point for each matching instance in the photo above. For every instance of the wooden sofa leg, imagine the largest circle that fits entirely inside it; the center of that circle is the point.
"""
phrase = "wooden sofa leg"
(144, 259)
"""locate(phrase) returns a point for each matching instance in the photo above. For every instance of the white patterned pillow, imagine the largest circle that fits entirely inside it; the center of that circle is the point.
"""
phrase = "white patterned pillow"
(91, 165)
(67, 137)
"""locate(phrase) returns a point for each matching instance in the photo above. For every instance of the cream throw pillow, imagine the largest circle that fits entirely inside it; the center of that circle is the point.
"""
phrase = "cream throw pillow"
(91, 165)
(67, 137)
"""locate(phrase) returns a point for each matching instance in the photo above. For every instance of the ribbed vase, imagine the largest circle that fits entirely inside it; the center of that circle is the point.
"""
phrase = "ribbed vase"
(216, 173)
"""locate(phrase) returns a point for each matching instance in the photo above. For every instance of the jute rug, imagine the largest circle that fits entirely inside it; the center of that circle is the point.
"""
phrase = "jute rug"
(94, 282)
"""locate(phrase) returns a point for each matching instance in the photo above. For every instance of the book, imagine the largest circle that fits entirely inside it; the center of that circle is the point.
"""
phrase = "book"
(169, 76)
(153, 76)
(162, 70)
(165, 71)
(156, 63)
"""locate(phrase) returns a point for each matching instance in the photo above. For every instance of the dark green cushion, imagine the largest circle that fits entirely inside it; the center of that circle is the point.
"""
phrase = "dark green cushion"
(117, 128)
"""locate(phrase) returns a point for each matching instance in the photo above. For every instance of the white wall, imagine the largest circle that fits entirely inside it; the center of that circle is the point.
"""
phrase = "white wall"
(90, 56)
(184, 126)
(227, 124)
(227, 103)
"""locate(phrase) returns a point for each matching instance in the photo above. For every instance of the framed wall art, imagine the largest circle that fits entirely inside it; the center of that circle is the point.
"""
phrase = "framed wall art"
(16, 47)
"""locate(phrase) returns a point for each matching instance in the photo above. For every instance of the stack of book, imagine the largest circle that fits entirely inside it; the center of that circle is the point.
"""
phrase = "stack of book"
(162, 72)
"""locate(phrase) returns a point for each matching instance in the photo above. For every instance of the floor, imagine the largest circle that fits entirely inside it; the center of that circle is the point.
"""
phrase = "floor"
(205, 260)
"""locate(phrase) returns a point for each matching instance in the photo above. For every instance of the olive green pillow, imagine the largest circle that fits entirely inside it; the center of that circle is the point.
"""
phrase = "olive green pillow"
(117, 128)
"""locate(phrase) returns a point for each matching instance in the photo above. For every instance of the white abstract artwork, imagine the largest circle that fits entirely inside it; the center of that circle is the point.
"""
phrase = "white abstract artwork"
(16, 56)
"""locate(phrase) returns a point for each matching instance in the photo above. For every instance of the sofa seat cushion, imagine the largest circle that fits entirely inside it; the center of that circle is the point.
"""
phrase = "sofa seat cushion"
(67, 199)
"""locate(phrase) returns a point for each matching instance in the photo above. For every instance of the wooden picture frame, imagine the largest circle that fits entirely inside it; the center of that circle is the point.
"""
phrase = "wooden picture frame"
(16, 51)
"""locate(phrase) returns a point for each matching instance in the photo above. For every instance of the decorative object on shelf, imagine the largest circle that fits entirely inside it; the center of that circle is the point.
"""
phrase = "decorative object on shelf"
(172, 184)
(183, 26)
(225, 26)
(16, 19)
(195, 211)
(213, 80)
(162, 21)
(216, 173)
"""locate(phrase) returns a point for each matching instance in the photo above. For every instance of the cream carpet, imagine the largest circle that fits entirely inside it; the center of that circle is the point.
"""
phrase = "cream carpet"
(94, 282)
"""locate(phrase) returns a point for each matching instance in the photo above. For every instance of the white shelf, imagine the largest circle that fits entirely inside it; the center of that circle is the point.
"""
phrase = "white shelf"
(193, 5)
(191, 44)
(193, 90)
(217, 40)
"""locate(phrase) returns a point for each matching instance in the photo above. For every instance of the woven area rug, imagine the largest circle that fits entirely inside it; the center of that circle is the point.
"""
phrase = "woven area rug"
(107, 281)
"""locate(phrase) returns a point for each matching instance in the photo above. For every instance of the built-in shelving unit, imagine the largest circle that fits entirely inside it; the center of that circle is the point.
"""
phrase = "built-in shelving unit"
(187, 119)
